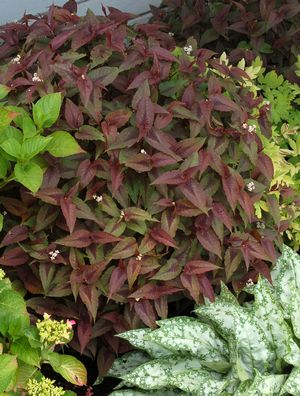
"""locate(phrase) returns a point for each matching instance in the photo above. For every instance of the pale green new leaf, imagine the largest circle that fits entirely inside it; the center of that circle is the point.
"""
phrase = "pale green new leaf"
(188, 335)
(33, 146)
(137, 338)
(286, 280)
(30, 175)
(12, 147)
(68, 367)
(159, 373)
(269, 385)
(271, 316)
(46, 110)
(199, 382)
(25, 352)
(8, 368)
(63, 145)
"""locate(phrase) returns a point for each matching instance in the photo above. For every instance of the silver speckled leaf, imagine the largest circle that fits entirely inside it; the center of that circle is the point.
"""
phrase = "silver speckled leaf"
(128, 362)
(269, 385)
(292, 384)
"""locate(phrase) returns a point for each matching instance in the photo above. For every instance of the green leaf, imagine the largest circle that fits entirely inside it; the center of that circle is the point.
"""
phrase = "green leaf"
(4, 90)
(189, 336)
(30, 175)
(24, 372)
(11, 132)
(1, 221)
(286, 281)
(6, 117)
(8, 368)
(138, 339)
(63, 145)
(12, 147)
(160, 373)
(4, 165)
(28, 127)
(46, 110)
(68, 367)
(25, 352)
(33, 146)
(13, 314)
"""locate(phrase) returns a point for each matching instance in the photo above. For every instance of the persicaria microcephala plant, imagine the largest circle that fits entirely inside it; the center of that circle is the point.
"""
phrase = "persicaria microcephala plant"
(158, 202)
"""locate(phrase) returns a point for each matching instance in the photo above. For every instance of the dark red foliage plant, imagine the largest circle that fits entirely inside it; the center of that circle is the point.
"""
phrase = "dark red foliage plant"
(160, 203)
(244, 29)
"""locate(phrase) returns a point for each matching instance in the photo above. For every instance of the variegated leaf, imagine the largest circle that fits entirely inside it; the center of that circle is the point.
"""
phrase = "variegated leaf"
(161, 392)
(128, 362)
(159, 373)
(188, 335)
(292, 384)
(248, 343)
(137, 338)
(271, 316)
(199, 382)
(286, 280)
(269, 385)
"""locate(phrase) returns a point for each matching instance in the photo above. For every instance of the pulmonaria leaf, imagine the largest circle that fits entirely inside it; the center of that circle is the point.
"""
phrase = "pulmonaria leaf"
(165, 392)
(244, 334)
(286, 281)
(292, 384)
(138, 338)
(268, 310)
(158, 374)
(185, 335)
(128, 362)
(263, 385)
(199, 382)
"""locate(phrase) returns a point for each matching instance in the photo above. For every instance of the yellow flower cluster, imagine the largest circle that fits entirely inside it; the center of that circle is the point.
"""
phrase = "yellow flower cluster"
(54, 332)
(2, 274)
(44, 387)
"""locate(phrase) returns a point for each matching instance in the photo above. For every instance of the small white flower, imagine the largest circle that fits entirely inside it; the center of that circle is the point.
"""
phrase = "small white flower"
(122, 214)
(250, 186)
(249, 282)
(245, 125)
(171, 34)
(98, 198)
(188, 49)
(4, 213)
(173, 203)
(139, 257)
(36, 78)
(16, 60)
(252, 128)
(143, 151)
(137, 299)
(57, 251)
(261, 225)
(83, 76)
(267, 103)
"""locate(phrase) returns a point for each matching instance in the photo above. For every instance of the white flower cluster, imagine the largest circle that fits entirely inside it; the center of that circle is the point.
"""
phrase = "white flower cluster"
(98, 198)
(171, 34)
(260, 225)
(16, 60)
(188, 49)
(53, 254)
(250, 186)
(36, 78)
(250, 128)
(139, 257)
(143, 151)
(249, 282)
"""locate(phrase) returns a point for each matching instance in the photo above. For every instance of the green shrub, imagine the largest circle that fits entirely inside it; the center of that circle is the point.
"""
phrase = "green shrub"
(24, 348)
(229, 350)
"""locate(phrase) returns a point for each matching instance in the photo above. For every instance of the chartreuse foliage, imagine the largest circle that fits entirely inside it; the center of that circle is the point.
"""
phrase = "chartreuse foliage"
(250, 350)
(24, 348)
(22, 140)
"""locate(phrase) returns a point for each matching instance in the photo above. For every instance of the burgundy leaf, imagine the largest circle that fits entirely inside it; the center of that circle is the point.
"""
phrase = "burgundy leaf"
(14, 235)
(73, 115)
(222, 214)
(152, 291)
(199, 267)
(210, 241)
(90, 297)
(222, 103)
(117, 280)
(101, 237)
(163, 237)
(69, 211)
(14, 257)
(206, 288)
(79, 239)
(133, 269)
(194, 192)
(144, 116)
(84, 333)
(191, 283)
(86, 172)
(145, 311)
